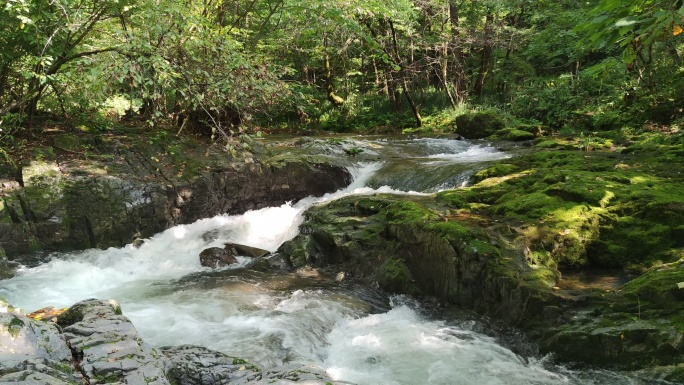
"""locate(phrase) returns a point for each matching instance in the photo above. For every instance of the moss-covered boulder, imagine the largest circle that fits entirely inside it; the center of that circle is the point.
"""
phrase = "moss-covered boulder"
(638, 325)
(504, 246)
(513, 135)
(478, 125)
(407, 247)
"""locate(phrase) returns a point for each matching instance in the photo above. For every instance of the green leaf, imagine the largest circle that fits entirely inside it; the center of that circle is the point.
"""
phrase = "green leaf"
(627, 21)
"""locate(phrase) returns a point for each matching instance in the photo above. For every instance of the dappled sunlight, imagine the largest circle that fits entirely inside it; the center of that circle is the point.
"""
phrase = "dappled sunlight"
(489, 182)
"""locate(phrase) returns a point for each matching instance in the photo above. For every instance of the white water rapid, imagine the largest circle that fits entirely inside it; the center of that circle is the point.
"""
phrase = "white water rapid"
(356, 334)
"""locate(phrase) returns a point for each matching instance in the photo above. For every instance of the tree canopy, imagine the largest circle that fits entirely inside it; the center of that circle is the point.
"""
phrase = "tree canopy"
(226, 67)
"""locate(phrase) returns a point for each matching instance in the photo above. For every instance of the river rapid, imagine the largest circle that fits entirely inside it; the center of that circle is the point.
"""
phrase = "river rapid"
(355, 333)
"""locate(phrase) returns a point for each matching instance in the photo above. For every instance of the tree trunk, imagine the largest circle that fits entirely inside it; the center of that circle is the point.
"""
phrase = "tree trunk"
(330, 88)
(414, 107)
(486, 58)
(444, 64)
(404, 75)
(4, 78)
(457, 53)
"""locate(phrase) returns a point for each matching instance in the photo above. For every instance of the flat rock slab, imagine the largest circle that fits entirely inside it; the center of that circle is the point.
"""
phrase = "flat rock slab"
(196, 365)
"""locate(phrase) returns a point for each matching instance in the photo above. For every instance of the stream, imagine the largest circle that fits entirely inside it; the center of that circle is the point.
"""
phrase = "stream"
(355, 333)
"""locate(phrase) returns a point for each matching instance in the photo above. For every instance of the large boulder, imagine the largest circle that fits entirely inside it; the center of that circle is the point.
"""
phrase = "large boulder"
(406, 247)
(478, 125)
(415, 246)
(108, 348)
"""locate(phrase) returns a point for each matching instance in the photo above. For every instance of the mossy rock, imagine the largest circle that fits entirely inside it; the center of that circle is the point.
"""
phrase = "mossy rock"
(67, 142)
(394, 276)
(497, 170)
(513, 135)
(77, 312)
(478, 125)
(663, 286)
(535, 129)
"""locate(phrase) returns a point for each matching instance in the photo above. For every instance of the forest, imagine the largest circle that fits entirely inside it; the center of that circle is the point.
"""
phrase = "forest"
(241, 68)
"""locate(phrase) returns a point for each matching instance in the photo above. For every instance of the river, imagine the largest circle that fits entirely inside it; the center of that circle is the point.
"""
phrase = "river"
(355, 333)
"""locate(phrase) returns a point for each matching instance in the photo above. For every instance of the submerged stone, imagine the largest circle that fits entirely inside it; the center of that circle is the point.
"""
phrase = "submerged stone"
(246, 251)
(216, 257)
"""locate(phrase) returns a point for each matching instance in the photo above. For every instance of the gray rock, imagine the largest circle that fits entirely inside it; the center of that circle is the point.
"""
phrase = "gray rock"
(294, 374)
(66, 204)
(195, 365)
(109, 347)
(33, 352)
(216, 257)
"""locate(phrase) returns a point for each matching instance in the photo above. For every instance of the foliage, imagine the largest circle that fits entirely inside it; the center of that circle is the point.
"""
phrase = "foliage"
(229, 70)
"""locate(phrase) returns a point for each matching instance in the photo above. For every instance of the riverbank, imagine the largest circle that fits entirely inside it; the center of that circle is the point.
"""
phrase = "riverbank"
(513, 244)
(79, 190)
(510, 246)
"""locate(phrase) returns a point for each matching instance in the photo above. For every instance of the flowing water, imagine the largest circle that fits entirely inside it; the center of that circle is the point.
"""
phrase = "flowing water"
(355, 333)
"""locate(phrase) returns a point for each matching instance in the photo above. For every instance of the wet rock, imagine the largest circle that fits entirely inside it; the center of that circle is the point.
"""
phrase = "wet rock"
(195, 365)
(99, 345)
(246, 251)
(216, 257)
(294, 374)
(109, 348)
(33, 351)
(70, 204)
(406, 246)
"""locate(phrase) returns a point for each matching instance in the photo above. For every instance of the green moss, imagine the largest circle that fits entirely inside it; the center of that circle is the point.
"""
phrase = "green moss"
(478, 125)
(395, 277)
(482, 248)
(541, 258)
(15, 326)
(543, 276)
(452, 230)
(71, 316)
(499, 169)
(457, 198)
(514, 135)
(535, 205)
(408, 212)
(660, 285)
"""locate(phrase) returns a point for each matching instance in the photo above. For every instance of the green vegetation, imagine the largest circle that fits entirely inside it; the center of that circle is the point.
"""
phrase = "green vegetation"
(603, 209)
(508, 69)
